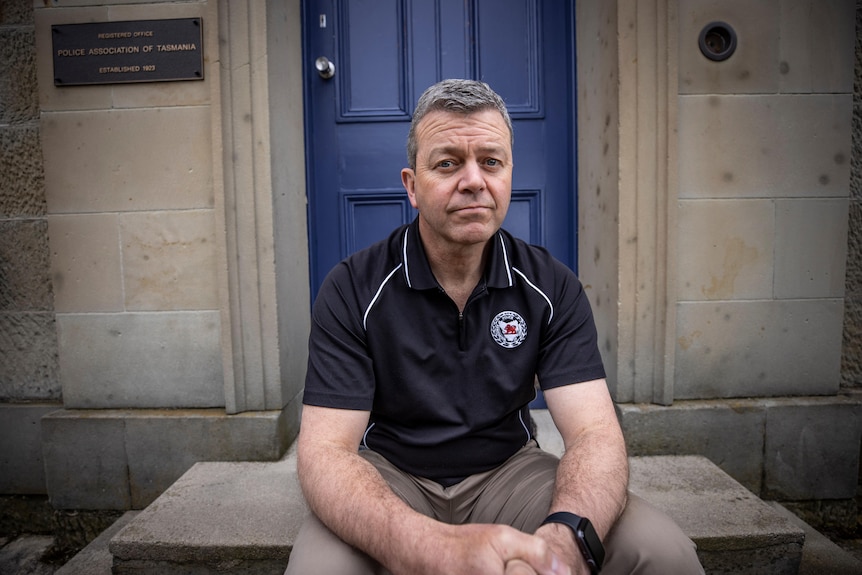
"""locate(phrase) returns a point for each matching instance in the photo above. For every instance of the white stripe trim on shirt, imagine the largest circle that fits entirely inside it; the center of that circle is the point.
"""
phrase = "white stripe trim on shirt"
(524, 425)
(404, 258)
(377, 295)
(540, 292)
(505, 258)
(365, 436)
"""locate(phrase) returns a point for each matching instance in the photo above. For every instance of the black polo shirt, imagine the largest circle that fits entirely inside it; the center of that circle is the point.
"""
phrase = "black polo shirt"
(448, 392)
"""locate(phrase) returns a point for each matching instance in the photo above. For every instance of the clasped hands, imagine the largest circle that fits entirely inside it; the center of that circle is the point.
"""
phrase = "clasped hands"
(503, 550)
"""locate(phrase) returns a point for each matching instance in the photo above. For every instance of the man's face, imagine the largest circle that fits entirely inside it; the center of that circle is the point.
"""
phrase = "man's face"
(462, 183)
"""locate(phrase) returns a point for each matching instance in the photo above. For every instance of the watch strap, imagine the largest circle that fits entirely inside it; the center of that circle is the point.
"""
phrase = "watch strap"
(585, 537)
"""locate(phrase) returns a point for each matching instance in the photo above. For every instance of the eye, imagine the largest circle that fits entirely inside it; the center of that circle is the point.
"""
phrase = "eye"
(445, 164)
(492, 162)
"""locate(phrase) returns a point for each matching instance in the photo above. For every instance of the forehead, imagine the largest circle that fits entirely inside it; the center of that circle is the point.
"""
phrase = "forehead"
(446, 129)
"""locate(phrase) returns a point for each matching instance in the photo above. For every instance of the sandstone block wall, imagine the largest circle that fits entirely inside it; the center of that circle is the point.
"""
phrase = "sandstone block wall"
(851, 358)
(764, 169)
(28, 337)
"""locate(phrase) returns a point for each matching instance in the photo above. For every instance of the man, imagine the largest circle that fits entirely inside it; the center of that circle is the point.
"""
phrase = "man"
(415, 452)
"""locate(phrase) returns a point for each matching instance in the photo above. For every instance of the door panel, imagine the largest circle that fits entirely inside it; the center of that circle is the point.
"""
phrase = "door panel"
(386, 52)
(508, 53)
(371, 47)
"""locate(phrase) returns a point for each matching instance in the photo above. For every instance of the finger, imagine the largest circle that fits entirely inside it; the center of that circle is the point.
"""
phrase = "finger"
(519, 567)
(532, 550)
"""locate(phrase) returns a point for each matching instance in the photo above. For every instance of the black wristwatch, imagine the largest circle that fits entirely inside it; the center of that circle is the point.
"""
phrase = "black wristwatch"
(585, 535)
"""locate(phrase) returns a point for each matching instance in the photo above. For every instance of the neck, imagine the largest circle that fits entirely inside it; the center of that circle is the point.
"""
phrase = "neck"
(458, 269)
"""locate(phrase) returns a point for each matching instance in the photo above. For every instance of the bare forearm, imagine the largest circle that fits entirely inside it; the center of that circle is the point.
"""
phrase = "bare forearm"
(350, 496)
(592, 479)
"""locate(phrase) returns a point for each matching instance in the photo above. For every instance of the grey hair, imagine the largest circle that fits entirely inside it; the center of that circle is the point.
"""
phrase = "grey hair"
(459, 96)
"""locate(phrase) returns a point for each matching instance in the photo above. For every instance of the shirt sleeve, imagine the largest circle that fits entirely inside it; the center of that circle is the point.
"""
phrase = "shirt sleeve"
(340, 372)
(569, 352)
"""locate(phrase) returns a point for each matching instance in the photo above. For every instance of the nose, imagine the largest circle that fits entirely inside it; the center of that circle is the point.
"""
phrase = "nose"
(472, 177)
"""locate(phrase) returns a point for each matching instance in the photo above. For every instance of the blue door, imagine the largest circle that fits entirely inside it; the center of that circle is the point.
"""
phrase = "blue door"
(385, 53)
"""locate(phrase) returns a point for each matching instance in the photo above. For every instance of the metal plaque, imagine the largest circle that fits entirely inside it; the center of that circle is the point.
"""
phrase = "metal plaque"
(131, 51)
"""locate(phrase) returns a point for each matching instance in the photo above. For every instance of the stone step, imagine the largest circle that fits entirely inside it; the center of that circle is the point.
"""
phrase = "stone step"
(243, 517)
(95, 559)
(735, 531)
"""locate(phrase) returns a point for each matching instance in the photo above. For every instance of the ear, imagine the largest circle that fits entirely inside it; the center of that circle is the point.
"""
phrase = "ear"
(408, 180)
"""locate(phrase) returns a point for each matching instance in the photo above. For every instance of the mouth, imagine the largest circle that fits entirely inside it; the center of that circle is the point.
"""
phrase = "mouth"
(471, 209)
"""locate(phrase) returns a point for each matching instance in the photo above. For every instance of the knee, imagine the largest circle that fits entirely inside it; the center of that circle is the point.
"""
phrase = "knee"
(318, 550)
(646, 541)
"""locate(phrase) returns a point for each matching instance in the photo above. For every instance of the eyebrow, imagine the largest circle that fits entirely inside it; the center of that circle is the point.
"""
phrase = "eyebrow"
(494, 149)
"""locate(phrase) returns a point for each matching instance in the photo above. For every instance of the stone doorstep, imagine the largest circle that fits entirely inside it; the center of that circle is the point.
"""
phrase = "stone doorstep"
(735, 531)
(247, 515)
(243, 517)
(218, 514)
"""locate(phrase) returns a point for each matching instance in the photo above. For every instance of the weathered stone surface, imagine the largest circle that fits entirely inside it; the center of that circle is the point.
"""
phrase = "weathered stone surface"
(730, 434)
(853, 284)
(759, 147)
(26, 514)
(816, 46)
(169, 261)
(262, 501)
(29, 365)
(22, 179)
(21, 468)
(857, 69)
(92, 164)
(141, 360)
(75, 529)
(820, 555)
(102, 459)
(856, 155)
(23, 556)
(25, 283)
(758, 348)
(86, 263)
(851, 351)
(95, 558)
(206, 435)
(810, 248)
(16, 12)
(836, 516)
(812, 449)
(735, 532)
(85, 462)
(18, 87)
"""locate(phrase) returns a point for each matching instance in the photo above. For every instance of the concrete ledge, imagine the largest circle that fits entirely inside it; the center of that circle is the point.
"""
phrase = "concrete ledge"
(790, 448)
(735, 531)
(119, 459)
(219, 517)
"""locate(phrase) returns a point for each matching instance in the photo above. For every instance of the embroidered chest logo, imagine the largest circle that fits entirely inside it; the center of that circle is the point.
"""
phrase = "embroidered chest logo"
(508, 329)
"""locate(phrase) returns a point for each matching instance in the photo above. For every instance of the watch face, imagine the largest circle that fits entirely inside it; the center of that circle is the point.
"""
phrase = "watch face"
(587, 534)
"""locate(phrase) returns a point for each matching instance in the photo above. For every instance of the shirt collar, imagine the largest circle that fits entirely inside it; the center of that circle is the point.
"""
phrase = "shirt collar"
(417, 270)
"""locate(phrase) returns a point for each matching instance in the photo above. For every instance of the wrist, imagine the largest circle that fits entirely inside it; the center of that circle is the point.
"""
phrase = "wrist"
(560, 538)
(586, 540)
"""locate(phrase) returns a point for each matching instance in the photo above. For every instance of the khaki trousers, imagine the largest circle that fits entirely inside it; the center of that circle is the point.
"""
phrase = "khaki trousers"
(518, 493)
